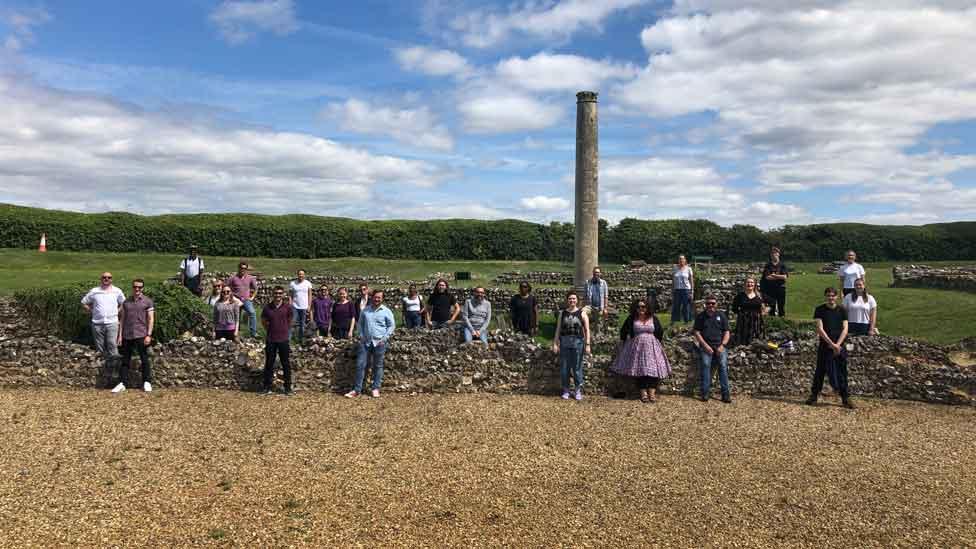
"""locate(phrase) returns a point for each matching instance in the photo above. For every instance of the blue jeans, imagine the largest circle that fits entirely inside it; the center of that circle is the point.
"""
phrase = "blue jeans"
(482, 334)
(366, 349)
(571, 358)
(706, 372)
(682, 309)
(301, 316)
(412, 319)
(252, 316)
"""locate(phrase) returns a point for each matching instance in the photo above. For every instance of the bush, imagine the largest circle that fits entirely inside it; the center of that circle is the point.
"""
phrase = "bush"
(177, 311)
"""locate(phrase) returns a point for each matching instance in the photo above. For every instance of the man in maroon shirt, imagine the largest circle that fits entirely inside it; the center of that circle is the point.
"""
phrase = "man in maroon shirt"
(276, 318)
(136, 318)
(245, 288)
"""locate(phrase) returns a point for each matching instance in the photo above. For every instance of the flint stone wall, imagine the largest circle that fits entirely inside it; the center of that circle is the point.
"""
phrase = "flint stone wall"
(961, 278)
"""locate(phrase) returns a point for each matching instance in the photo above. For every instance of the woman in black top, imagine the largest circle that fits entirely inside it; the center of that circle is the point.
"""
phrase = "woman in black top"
(524, 310)
(749, 310)
(572, 341)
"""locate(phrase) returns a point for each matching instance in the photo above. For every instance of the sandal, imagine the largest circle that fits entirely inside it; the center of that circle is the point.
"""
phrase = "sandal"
(643, 397)
(652, 397)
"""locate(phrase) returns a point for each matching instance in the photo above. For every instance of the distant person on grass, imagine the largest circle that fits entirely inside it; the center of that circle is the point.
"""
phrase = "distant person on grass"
(245, 288)
(442, 307)
(136, 317)
(191, 271)
(772, 285)
(682, 291)
(376, 325)
(301, 299)
(749, 309)
(862, 311)
(712, 333)
(103, 303)
(641, 355)
(524, 309)
(850, 272)
(322, 311)
(477, 316)
(226, 316)
(413, 308)
(571, 342)
(831, 355)
(343, 315)
(276, 317)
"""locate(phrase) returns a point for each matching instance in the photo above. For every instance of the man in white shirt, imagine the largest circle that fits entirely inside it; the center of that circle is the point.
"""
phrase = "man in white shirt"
(301, 298)
(191, 271)
(103, 303)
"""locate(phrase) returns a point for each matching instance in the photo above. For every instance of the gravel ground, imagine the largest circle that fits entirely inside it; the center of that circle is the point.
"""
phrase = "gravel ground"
(225, 469)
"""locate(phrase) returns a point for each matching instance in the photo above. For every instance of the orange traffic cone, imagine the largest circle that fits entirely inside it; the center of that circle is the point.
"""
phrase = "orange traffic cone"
(43, 246)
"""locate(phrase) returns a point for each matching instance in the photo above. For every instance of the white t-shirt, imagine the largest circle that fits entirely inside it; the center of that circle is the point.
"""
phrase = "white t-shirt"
(850, 272)
(191, 267)
(859, 311)
(299, 292)
(682, 278)
(104, 304)
(411, 305)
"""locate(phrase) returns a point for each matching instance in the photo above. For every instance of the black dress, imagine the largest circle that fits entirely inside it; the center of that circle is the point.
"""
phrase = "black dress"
(749, 323)
(523, 313)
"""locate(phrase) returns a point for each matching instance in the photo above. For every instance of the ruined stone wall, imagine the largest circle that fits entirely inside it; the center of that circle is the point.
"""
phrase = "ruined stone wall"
(961, 278)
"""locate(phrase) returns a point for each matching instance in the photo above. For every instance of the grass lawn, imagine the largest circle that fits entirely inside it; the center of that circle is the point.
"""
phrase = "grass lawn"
(939, 316)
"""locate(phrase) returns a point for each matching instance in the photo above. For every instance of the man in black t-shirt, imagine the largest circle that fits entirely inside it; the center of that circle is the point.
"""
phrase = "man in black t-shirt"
(831, 355)
(442, 307)
(712, 334)
(773, 284)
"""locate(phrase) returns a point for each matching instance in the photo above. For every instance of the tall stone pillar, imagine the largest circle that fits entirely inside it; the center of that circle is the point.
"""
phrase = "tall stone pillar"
(586, 249)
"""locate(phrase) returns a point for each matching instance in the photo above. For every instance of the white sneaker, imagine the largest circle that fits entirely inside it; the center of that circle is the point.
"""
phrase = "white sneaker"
(119, 388)
(375, 393)
(147, 387)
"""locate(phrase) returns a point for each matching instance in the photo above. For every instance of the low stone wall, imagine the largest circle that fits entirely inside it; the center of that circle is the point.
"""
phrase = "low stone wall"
(961, 278)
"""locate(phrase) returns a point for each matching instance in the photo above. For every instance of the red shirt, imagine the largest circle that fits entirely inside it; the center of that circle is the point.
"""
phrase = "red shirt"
(279, 321)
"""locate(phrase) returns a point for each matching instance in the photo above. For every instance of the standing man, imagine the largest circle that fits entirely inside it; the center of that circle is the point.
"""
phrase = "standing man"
(103, 303)
(245, 287)
(363, 301)
(477, 316)
(712, 333)
(276, 318)
(376, 325)
(301, 298)
(597, 297)
(831, 355)
(191, 271)
(137, 319)
(773, 284)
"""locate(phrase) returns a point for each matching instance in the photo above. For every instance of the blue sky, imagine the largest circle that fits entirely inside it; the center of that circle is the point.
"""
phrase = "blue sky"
(750, 111)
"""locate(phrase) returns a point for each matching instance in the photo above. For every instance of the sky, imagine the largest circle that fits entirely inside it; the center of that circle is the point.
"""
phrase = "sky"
(754, 112)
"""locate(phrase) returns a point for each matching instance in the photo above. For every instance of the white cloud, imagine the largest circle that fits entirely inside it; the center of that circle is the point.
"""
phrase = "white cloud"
(551, 72)
(85, 152)
(20, 25)
(545, 203)
(431, 61)
(546, 19)
(442, 210)
(488, 111)
(827, 96)
(239, 20)
(412, 126)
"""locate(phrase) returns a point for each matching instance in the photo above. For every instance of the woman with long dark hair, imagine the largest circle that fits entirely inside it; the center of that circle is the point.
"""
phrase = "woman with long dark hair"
(641, 355)
(524, 310)
(862, 311)
(748, 307)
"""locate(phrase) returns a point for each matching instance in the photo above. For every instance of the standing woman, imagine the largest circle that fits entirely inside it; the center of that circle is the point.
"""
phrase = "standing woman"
(862, 311)
(226, 313)
(216, 285)
(413, 307)
(683, 290)
(748, 309)
(850, 272)
(343, 316)
(641, 356)
(524, 310)
(571, 342)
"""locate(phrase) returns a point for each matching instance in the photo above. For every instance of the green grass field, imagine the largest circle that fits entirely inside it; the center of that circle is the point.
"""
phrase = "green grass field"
(938, 316)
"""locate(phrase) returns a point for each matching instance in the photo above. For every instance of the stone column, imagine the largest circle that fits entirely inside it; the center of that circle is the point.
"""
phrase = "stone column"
(586, 248)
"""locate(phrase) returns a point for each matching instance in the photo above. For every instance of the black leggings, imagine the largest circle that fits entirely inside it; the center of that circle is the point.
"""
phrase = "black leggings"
(127, 347)
(648, 382)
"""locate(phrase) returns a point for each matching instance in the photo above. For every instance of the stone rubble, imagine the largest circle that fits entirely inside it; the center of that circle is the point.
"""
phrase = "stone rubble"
(961, 278)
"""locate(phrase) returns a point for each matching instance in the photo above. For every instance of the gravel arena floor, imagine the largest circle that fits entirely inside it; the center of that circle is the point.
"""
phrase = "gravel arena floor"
(176, 468)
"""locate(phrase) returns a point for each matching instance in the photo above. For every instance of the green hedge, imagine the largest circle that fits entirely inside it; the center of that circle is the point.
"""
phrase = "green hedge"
(177, 310)
(305, 236)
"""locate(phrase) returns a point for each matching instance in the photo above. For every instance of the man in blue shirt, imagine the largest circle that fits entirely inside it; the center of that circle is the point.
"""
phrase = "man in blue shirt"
(375, 326)
(597, 297)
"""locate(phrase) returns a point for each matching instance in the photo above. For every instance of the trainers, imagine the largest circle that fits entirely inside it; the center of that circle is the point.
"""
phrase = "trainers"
(565, 395)
(375, 393)
(727, 399)
(266, 392)
(147, 387)
(812, 401)
(289, 392)
(579, 394)
(849, 405)
(351, 394)
(703, 398)
(119, 388)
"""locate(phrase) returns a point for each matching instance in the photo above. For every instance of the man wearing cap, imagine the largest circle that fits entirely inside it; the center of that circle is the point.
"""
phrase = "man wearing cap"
(103, 303)
(245, 287)
(191, 271)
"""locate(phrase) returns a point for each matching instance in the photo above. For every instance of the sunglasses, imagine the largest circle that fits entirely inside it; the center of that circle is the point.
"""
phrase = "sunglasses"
(106, 278)
(137, 287)
(711, 304)
(225, 291)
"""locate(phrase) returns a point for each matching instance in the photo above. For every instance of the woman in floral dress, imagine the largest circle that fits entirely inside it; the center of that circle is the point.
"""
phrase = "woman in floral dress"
(641, 355)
